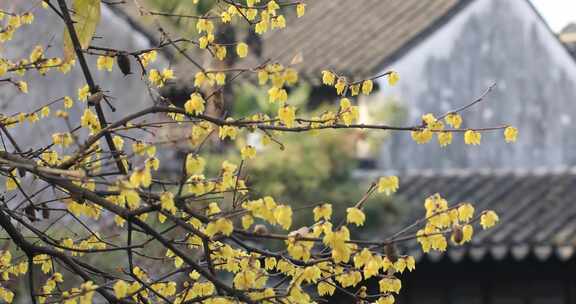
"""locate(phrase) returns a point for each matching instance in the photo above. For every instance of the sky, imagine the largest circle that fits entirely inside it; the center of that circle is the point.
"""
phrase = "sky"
(557, 13)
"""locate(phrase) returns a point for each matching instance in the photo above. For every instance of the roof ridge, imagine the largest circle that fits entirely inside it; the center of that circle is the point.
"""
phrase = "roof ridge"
(466, 172)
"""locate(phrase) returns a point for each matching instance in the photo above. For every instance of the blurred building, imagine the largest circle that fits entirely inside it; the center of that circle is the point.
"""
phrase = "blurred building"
(568, 37)
(448, 53)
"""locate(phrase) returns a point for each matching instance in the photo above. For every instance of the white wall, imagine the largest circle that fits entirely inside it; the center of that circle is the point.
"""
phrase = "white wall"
(501, 41)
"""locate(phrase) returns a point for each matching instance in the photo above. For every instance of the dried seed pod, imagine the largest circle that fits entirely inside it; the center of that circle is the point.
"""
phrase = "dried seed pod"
(30, 213)
(95, 98)
(124, 64)
(21, 172)
(457, 234)
(302, 231)
(45, 211)
(260, 229)
(391, 252)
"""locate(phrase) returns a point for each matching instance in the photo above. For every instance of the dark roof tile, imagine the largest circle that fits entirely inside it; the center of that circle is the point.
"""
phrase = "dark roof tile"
(355, 37)
(537, 210)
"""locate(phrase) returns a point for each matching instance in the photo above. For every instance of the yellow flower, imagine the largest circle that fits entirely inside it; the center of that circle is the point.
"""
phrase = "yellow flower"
(36, 53)
(421, 136)
(120, 289)
(390, 284)
(328, 78)
(222, 225)
(45, 111)
(340, 85)
(467, 232)
(472, 137)
(510, 134)
(389, 299)
(194, 165)
(159, 78)
(367, 86)
(444, 138)
(3, 67)
(291, 76)
(393, 78)
(272, 6)
(431, 122)
(248, 152)
(15, 21)
(465, 212)
(27, 18)
(153, 163)
(355, 216)
(354, 89)
(105, 63)
(213, 208)
(300, 9)
(323, 211)
(205, 40)
(220, 52)
(242, 49)
(388, 184)
(219, 78)
(326, 289)
(141, 177)
(488, 219)
(168, 74)
(22, 86)
(118, 142)
(204, 25)
(283, 215)
(68, 102)
(83, 93)
(148, 58)
(225, 17)
(167, 202)
(278, 22)
(244, 279)
(11, 183)
(276, 94)
(287, 115)
(410, 263)
(227, 131)
(199, 79)
(194, 105)
(348, 112)
(454, 120)
(90, 120)
(262, 77)
(247, 221)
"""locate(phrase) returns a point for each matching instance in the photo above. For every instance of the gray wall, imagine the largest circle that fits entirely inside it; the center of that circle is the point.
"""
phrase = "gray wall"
(501, 41)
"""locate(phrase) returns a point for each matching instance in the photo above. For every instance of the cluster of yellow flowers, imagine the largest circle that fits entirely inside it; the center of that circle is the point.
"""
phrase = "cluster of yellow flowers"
(433, 125)
(342, 85)
(158, 78)
(92, 242)
(9, 23)
(441, 219)
(12, 23)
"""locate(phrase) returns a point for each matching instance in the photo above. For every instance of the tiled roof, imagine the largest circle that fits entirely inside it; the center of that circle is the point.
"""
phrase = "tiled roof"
(568, 38)
(351, 37)
(356, 37)
(537, 210)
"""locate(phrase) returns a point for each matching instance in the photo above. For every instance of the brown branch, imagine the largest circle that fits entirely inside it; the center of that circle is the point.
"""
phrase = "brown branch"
(90, 81)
